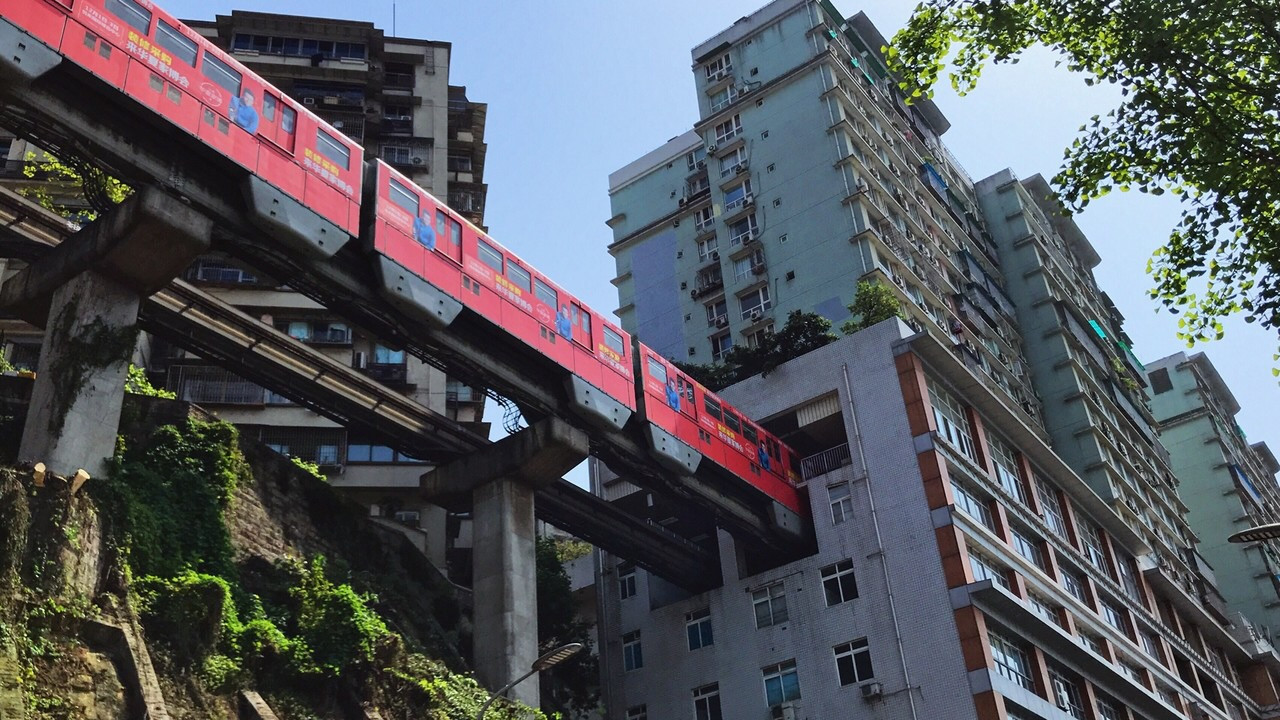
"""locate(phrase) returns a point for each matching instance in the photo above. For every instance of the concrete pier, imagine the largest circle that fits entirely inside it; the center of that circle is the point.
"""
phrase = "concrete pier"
(86, 293)
(502, 480)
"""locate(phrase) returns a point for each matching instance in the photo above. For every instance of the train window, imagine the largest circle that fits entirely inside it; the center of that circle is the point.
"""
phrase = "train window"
(288, 120)
(491, 257)
(182, 47)
(658, 370)
(132, 13)
(442, 224)
(546, 294)
(687, 386)
(613, 341)
(731, 421)
(772, 446)
(404, 197)
(712, 406)
(519, 276)
(455, 234)
(269, 103)
(222, 73)
(329, 146)
(749, 432)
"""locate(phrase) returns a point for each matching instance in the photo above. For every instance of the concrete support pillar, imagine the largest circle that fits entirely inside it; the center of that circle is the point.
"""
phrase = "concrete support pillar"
(504, 582)
(502, 480)
(79, 387)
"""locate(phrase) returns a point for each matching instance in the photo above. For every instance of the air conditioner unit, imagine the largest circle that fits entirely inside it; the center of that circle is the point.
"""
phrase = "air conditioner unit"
(872, 690)
(684, 201)
(749, 237)
(417, 161)
(756, 315)
(715, 255)
(359, 360)
(748, 200)
(330, 100)
(337, 124)
(785, 711)
(740, 167)
(701, 164)
(758, 269)
(711, 149)
(308, 101)
(722, 321)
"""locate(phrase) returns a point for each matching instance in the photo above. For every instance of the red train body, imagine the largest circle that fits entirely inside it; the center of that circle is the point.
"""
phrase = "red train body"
(152, 58)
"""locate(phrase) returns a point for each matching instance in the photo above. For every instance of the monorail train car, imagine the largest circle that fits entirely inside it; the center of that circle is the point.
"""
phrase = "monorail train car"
(295, 161)
(419, 234)
(305, 182)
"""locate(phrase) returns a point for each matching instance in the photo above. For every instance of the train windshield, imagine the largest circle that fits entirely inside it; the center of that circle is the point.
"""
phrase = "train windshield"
(132, 13)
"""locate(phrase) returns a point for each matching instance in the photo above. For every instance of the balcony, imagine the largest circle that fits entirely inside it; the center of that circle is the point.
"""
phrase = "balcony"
(398, 81)
(397, 125)
(825, 461)
(393, 374)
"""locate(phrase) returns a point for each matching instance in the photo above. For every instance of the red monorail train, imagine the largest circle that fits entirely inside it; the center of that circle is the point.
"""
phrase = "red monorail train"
(430, 260)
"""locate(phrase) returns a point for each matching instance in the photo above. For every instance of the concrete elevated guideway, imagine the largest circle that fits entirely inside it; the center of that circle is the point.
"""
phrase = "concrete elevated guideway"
(200, 323)
(62, 107)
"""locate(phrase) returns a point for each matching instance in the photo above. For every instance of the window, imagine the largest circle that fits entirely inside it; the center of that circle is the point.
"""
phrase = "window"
(1066, 694)
(984, 568)
(1109, 709)
(288, 121)
(729, 163)
(1151, 644)
(397, 154)
(781, 683)
(404, 197)
(1074, 583)
(838, 582)
(1027, 547)
(697, 626)
(717, 311)
(853, 662)
(632, 655)
(755, 303)
(720, 345)
(737, 196)
(770, 605)
(706, 702)
(386, 356)
(613, 341)
(639, 712)
(703, 218)
(1011, 660)
(841, 502)
(707, 247)
(1006, 466)
(546, 294)
(1044, 607)
(729, 129)
(756, 338)
(330, 147)
(743, 230)
(626, 581)
(1050, 506)
(222, 74)
(171, 39)
(972, 504)
(723, 99)
(1091, 539)
(132, 13)
(1127, 569)
(718, 68)
(695, 156)
(519, 277)
(1114, 616)
(490, 256)
(1160, 382)
(949, 414)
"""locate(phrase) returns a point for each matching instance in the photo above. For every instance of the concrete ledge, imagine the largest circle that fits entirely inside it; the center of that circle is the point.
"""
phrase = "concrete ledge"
(253, 707)
(537, 456)
(143, 244)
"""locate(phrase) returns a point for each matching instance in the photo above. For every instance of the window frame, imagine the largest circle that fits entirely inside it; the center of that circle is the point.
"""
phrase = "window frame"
(781, 672)
(181, 44)
(698, 623)
(774, 597)
(839, 582)
(858, 654)
(333, 148)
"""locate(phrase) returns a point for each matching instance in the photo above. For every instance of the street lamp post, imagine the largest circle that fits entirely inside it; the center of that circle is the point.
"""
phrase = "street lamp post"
(546, 661)
(1256, 534)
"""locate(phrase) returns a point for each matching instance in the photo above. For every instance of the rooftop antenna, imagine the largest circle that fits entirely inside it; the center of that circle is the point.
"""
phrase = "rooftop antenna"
(393, 18)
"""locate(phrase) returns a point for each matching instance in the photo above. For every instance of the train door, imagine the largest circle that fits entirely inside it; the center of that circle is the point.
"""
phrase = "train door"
(481, 279)
(551, 324)
(230, 119)
(581, 319)
(96, 42)
(276, 163)
(159, 71)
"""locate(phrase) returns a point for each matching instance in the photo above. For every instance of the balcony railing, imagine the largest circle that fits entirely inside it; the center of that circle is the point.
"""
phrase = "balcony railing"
(388, 373)
(826, 461)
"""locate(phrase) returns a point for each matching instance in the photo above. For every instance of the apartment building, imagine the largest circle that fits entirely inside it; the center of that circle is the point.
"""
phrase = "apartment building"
(1228, 483)
(393, 95)
(963, 570)
(1003, 427)
(805, 174)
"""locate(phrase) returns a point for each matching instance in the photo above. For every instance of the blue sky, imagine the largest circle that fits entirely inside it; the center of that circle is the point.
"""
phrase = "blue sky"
(578, 89)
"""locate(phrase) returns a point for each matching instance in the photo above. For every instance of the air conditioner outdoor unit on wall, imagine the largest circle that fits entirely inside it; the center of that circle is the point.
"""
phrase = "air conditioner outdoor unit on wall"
(715, 255)
(701, 164)
(740, 167)
(722, 321)
(756, 315)
(418, 161)
(308, 101)
(872, 691)
(711, 149)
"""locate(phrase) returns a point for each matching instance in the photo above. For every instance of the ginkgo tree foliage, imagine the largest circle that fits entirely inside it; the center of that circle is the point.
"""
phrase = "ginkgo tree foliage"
(1198, 116)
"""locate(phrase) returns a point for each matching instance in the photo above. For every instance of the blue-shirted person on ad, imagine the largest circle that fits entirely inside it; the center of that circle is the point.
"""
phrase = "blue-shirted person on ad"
(563, 326)
(242, 112)
(424, 233)
(673, 395)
